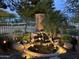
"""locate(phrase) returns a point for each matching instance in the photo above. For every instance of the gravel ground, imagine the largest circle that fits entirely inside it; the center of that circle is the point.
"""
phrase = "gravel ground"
(71, 55)
(11, 55)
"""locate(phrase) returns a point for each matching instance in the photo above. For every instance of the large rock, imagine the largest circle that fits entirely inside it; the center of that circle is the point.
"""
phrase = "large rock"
(19, 47)
(67, 45)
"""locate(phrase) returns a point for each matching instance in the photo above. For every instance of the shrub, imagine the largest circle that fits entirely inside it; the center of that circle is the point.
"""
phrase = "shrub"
(26, 37)
(66, 38)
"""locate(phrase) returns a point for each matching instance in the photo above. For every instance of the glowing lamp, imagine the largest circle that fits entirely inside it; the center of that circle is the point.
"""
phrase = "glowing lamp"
(4, 42)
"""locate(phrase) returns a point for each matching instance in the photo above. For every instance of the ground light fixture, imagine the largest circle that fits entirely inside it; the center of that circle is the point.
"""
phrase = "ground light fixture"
(4, 41)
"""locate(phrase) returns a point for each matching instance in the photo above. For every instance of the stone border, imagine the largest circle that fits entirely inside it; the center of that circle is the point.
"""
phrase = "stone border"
(41, 55)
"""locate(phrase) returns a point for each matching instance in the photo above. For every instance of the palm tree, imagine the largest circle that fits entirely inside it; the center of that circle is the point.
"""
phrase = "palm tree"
(28, 10)
(54, 22)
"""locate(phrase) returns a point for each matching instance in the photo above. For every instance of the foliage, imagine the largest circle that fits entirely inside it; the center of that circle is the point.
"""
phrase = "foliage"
(26, 37)
(54, 21)
(29, 11)
(43, 6)
(72, 6)
(27, 8)
(75, 19)
(66, 38)
(73, 32)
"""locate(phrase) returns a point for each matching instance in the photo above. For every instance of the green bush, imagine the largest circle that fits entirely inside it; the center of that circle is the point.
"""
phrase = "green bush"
(73, 32)
(26, 37)
(66, 38)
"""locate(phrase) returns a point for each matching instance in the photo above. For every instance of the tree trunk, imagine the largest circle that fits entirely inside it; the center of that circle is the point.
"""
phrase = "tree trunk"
(39, 19)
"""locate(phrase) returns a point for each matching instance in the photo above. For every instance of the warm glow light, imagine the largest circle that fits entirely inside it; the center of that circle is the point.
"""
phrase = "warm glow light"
(4, 41)
(61, 50)
(39, 38)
